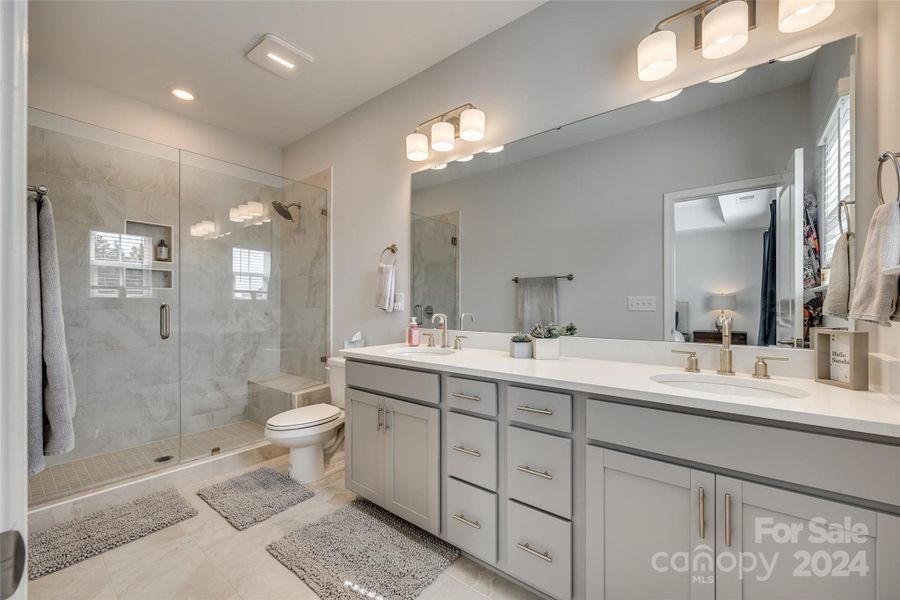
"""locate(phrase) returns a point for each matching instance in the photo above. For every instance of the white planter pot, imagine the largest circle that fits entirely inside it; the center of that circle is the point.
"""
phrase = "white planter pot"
(520, 349)
(546, 349)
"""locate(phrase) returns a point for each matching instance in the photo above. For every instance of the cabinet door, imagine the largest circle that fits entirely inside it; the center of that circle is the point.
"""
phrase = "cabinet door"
(781, 545)
(412, 463)
(644, 534)
(365, 422)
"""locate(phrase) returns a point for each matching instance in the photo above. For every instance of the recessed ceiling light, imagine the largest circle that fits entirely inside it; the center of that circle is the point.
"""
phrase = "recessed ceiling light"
(439, 167)
(665, 97)
(494, 150)
(728, 77)
(182, 94)
(281, 61)
(465, 158)
(278, 56)
(798, 55)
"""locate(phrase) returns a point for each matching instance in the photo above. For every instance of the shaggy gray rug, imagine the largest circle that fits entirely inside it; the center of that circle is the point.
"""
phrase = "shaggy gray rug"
(247, 499)
(363, 551)
(71, 542)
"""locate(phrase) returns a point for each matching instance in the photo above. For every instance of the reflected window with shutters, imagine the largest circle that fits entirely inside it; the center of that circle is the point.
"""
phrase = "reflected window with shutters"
(250, 270)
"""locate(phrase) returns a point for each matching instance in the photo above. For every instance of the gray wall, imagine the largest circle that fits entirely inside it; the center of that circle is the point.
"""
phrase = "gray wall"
(596, 210)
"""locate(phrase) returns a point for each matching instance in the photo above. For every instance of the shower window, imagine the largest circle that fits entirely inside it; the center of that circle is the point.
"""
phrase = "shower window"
(251, 270)
(120, 262)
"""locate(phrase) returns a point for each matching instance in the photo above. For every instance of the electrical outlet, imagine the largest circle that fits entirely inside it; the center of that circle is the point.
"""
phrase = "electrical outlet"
(399, 298)
(641, 303)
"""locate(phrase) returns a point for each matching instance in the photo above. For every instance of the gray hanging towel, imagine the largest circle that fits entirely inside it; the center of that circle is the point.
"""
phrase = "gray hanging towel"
(535, 302)
(51, 389)
(843, 275)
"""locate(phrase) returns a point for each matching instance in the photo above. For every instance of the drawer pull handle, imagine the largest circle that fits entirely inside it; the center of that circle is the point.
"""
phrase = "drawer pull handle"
(474, 453)
(467, 397)
(535, 553)
(528, 470)
(465, 521)
(702, 505)
(727, 520)
(536, 411)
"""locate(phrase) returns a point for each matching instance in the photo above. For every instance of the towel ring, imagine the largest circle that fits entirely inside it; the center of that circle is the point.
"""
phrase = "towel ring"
(393, 250)
(888, 156)
(846, 211)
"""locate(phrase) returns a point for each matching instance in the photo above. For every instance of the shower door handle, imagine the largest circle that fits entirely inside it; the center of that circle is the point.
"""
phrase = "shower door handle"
(164, 321)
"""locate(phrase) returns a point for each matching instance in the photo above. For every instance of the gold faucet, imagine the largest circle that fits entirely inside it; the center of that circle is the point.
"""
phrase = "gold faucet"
(725, 366)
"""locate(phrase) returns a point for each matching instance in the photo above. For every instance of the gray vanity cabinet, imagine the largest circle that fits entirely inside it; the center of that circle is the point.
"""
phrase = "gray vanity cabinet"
(648, 524)
(394, 456)
(857, 555)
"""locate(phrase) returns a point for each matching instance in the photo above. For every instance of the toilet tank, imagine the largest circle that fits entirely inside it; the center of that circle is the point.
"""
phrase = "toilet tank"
(337, 379)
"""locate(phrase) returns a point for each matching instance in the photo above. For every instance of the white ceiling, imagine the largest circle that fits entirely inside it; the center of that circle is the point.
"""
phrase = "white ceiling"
(748, 209)
(361, 49)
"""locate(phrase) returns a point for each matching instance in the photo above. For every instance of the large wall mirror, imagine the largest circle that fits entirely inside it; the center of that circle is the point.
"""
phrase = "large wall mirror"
(656, 220)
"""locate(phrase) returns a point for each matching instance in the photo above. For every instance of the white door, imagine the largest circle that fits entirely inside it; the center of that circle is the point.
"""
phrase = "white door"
(650, 529)
(13, 482)
(789, 251)
(412, 463)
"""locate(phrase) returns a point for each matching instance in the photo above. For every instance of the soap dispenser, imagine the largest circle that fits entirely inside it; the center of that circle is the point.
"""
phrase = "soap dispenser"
(412, 333)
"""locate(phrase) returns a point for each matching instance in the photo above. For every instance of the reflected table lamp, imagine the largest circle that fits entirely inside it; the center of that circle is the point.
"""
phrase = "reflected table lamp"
(721, 303)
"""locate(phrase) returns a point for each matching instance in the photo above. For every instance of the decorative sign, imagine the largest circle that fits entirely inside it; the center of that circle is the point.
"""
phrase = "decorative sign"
(842, 358)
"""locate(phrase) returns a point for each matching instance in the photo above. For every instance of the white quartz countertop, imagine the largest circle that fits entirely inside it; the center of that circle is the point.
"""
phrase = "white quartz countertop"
(822, 406)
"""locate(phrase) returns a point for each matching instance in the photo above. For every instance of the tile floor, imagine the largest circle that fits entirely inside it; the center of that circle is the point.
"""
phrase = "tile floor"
(68, 478)
(206, 558)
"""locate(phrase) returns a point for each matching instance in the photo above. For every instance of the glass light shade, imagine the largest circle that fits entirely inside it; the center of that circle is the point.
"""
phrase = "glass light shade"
(208, 227)
(471, 125)
(234, 215)
(443, 136)
(728, 77)
(797, 15)
(657, 56)
(417, 147)
(244, 212)
(798, 55)
(494, 150)
(465, 158)
(726, 29)
(439, 167)
(664, 97)
(255, 208)
(195, 230)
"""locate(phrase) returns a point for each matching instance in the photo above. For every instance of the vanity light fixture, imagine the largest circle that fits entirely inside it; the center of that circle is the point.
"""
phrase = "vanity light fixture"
(244, 212)
(664, 97)
(234, 215)
(183, 94)
(494, 150)
(797, 15)
(728, 77)
(255, 208)
(439, 167)
(726, 29)
(657, 56)
(798, 55)
(465, 122)
(465, 158)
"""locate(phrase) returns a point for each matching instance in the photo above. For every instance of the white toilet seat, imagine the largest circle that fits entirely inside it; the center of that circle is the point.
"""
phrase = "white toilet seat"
(304, 417)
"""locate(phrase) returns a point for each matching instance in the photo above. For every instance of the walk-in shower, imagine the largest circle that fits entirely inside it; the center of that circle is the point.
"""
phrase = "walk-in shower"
(246, 327)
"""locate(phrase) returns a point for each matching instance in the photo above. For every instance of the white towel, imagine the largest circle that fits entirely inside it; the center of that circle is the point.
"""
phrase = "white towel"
(843, 278)
(875, 294)
(384, 288)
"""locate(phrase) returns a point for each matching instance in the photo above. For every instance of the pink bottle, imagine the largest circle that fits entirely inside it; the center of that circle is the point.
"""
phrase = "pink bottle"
(412, 333)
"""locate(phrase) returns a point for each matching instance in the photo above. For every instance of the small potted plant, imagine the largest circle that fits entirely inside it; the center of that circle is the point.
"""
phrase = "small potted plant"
(546, 339)
(520, 346)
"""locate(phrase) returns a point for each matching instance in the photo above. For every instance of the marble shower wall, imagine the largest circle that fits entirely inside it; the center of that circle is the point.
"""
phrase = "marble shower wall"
(126, 377)
(435, 269)
(304, 272)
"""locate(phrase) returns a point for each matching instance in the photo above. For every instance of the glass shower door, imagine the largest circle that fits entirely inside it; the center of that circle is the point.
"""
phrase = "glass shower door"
(253, 300)
(114, 199)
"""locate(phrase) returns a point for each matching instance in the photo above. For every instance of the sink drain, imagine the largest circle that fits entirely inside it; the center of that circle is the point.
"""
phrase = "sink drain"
(164, 458)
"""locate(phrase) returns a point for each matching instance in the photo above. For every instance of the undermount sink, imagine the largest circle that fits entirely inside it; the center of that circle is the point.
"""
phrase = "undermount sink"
(419, 350)
(728, 386)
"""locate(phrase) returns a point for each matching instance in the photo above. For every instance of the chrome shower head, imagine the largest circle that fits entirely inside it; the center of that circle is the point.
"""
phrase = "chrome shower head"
(284, 209)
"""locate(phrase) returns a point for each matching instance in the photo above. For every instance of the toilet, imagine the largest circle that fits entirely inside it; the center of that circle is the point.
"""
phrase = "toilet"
(309, 430)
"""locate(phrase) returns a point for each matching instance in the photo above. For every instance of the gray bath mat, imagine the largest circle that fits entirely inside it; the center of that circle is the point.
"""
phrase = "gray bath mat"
(247, 499)
(71, 542)
(363, 551)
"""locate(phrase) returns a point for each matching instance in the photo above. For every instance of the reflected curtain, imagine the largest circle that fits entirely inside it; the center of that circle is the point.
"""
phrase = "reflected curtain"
(768, 328)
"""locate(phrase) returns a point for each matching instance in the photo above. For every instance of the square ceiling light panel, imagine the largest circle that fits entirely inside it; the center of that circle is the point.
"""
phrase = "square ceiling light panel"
(276, 55)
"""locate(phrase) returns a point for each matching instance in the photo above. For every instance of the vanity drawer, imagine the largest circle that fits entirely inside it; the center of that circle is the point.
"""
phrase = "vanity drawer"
(535, 407)
(853, 467)
(394, 382)
(472, 449)
(539, 549)
(539, 470)
(471, 395)
(472, 520)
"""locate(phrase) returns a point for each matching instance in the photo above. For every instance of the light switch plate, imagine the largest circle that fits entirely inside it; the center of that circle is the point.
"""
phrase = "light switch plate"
(399, 300)
(641, 303)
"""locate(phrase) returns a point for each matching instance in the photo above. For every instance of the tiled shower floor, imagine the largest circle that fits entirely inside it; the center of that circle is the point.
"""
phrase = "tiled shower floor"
(83, 474)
